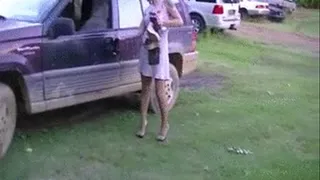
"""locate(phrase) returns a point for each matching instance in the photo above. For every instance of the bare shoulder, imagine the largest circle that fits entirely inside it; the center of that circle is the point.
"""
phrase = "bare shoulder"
(170, 3)
(171, 7)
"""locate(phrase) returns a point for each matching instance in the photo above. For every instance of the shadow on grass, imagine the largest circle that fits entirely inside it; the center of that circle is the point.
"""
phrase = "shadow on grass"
(256, 19)
(110, 107)
(78, 114)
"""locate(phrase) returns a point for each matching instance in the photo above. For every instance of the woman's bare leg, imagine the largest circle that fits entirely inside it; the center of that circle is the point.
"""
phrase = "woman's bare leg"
(163, 106)
(144, 104)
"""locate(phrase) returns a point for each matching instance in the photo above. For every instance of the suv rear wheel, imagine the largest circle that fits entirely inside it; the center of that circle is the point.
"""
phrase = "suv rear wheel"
(8, 115)
(172, 91)
(198, 23)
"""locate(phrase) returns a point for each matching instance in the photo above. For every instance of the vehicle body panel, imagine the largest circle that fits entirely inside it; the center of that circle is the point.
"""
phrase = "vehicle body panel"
(251, 7)
(277, 12)
(80, 68)
(287, 4)
(230, 16)
(11, 30)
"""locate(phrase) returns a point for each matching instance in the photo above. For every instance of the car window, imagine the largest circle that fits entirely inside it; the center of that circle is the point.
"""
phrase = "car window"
(97, 17)
(230, 1)
(130, 13)
(31, 10)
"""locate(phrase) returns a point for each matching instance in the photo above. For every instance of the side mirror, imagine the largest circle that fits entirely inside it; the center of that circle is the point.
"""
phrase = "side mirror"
(61, 27)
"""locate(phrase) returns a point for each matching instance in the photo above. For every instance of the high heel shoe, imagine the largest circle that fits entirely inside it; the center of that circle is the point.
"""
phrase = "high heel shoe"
(162, 136)
(142, 131)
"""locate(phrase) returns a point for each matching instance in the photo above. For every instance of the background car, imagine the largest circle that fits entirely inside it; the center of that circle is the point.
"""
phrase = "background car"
(218, 14)
(277, 13)
(289, 5)
(253, 8)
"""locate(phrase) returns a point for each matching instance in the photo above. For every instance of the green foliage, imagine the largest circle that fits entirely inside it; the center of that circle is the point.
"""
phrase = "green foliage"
(309, 3)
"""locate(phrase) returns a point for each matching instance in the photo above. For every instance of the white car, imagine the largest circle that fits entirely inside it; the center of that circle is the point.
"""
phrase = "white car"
(254, 8)
(218, 14)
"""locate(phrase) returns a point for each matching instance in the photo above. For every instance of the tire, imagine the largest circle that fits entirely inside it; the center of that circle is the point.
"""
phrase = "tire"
(244, 14)
(174, 89)
(288, 11)
(8, 118)
(198, 22)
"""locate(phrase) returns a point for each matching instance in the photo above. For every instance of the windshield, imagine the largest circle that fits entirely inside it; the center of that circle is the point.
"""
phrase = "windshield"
(26, 10)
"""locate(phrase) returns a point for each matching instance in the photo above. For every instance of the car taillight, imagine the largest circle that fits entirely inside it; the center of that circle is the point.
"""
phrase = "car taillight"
(218, 9)
(260, 6)
(194, 35)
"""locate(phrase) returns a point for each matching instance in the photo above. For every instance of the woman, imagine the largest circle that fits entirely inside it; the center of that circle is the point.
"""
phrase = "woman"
(167, 15)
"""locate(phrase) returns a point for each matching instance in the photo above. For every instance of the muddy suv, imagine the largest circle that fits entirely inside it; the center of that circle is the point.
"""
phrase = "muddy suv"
(49, 59)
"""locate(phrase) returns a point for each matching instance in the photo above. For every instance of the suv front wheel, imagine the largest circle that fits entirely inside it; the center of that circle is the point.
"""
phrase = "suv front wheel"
(172, 91)
(8, 115)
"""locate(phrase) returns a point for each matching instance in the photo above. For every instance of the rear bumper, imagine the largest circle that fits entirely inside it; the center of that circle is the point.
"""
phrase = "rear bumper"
(189, 63)
(278, 16)
(261, 12)
(220, 22)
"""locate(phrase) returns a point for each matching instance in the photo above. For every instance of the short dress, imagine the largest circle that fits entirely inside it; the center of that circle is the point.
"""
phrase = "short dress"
(160, 71)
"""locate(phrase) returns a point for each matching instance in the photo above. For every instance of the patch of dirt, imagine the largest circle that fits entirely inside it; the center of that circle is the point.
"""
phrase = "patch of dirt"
(270, 36)
(198, 80)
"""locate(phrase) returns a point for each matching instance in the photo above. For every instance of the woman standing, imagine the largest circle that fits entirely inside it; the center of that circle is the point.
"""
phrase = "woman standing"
(166, 15)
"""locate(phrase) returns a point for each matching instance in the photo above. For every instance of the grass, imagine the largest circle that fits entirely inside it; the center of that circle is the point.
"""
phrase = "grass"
(269, 104)
(302, 21)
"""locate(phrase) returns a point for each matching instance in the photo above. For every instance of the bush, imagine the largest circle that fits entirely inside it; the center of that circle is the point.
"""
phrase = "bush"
(309, 3)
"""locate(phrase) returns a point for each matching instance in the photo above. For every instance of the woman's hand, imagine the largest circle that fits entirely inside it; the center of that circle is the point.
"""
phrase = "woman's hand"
(160, 21)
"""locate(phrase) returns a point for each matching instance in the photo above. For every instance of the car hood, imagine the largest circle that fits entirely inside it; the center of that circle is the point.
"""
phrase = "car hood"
(14, 30)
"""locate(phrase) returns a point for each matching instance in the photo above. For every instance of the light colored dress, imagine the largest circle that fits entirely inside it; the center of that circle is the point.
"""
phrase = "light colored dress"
(160, 71)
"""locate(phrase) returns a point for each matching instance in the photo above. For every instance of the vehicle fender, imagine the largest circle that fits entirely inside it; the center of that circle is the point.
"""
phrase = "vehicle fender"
(14, 62)
(195, 11)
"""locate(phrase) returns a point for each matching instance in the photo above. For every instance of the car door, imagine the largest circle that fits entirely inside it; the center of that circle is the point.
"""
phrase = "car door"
(130, 38)
(81, 63)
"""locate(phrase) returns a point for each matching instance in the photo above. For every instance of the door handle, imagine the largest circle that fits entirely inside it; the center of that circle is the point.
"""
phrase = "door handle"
(111, 46)
(116, 46)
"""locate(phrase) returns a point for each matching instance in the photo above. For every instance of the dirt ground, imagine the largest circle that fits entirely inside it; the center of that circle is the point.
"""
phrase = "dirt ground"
(197, 80)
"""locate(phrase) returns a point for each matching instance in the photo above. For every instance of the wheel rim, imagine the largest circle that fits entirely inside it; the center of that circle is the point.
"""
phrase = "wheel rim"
(196, 25)
(6, 128)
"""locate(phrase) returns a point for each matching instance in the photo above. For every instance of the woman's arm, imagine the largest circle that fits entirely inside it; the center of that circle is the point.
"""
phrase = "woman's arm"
(175, 19)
